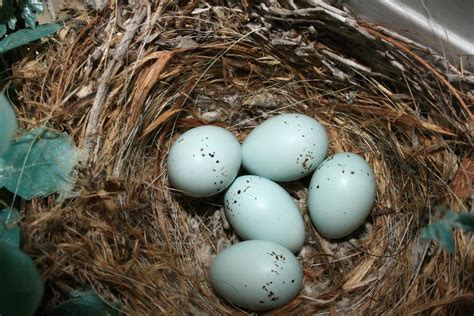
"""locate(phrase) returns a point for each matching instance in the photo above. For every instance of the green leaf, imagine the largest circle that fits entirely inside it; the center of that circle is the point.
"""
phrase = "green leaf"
(450, 217)
(3, 29)
(466, 221)
(9, 229)
(7, 12)
(21, 287)
(7, 124)
(84, 304)
(5, 171)
(12, 23)
(26, 36)
(37, 5)
(29, 16)
(39, 163)
(441, 232)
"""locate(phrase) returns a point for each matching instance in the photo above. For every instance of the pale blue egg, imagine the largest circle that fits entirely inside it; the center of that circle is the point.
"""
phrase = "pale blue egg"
(341, 194)
(7, 124)
(257, 275)
(258, 208)
(286, 147)
(204, 161)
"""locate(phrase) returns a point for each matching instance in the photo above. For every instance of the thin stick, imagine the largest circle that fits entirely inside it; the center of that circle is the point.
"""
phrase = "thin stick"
(425, 64)
(112, 68)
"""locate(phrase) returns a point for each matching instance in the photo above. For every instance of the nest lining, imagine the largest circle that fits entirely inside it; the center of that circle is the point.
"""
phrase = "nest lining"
(125, 83)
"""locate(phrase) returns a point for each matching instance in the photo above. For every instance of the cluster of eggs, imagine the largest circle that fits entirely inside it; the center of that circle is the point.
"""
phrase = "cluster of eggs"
(262, 272)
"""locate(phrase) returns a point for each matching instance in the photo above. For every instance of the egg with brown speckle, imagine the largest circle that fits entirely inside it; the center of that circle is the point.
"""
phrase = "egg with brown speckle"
(256, 274)
(258, 208)
(204, 161)
(341, 194)
(285, 147)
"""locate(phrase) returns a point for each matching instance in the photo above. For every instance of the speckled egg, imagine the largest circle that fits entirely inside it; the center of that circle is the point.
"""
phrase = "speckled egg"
(341, 194)
(7, 124)
(258, 208)
(256, 274)
(204, 161)
(284, 148)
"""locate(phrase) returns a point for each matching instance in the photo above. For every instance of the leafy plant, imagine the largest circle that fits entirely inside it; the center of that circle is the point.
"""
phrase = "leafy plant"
(21, 287)
(442, 230)
(35, 163)
(9, 230)
(38, 163)
(84, 304)
(26, 36)
(7, 124)
(8, 20)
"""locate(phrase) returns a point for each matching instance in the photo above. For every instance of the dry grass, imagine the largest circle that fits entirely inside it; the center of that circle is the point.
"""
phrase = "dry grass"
(125, 94)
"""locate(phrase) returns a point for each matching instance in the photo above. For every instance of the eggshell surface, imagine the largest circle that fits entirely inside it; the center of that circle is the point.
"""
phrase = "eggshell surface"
(258, 208)
(256, 274)
(284, 148)
(341, 194)
(204, 161)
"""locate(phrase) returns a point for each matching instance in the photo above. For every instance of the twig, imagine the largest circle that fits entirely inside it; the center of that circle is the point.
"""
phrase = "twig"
(464, 297)
(349, 63)
(328, 7)
(425, 64)
(112, 68)
(438, 60)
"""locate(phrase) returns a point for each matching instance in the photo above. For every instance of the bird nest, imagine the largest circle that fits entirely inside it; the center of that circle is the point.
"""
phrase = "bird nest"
(127, 81)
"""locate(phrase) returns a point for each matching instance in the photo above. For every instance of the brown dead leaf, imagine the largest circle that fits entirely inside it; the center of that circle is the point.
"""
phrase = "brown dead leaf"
(463, 179)
(159, 120)
(147, 80)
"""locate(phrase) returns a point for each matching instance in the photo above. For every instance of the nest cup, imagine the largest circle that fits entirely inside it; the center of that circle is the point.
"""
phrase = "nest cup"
(127, 82)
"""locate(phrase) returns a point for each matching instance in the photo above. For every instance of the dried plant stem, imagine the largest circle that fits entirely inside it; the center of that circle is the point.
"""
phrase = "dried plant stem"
(103, 89)
(423, 62)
